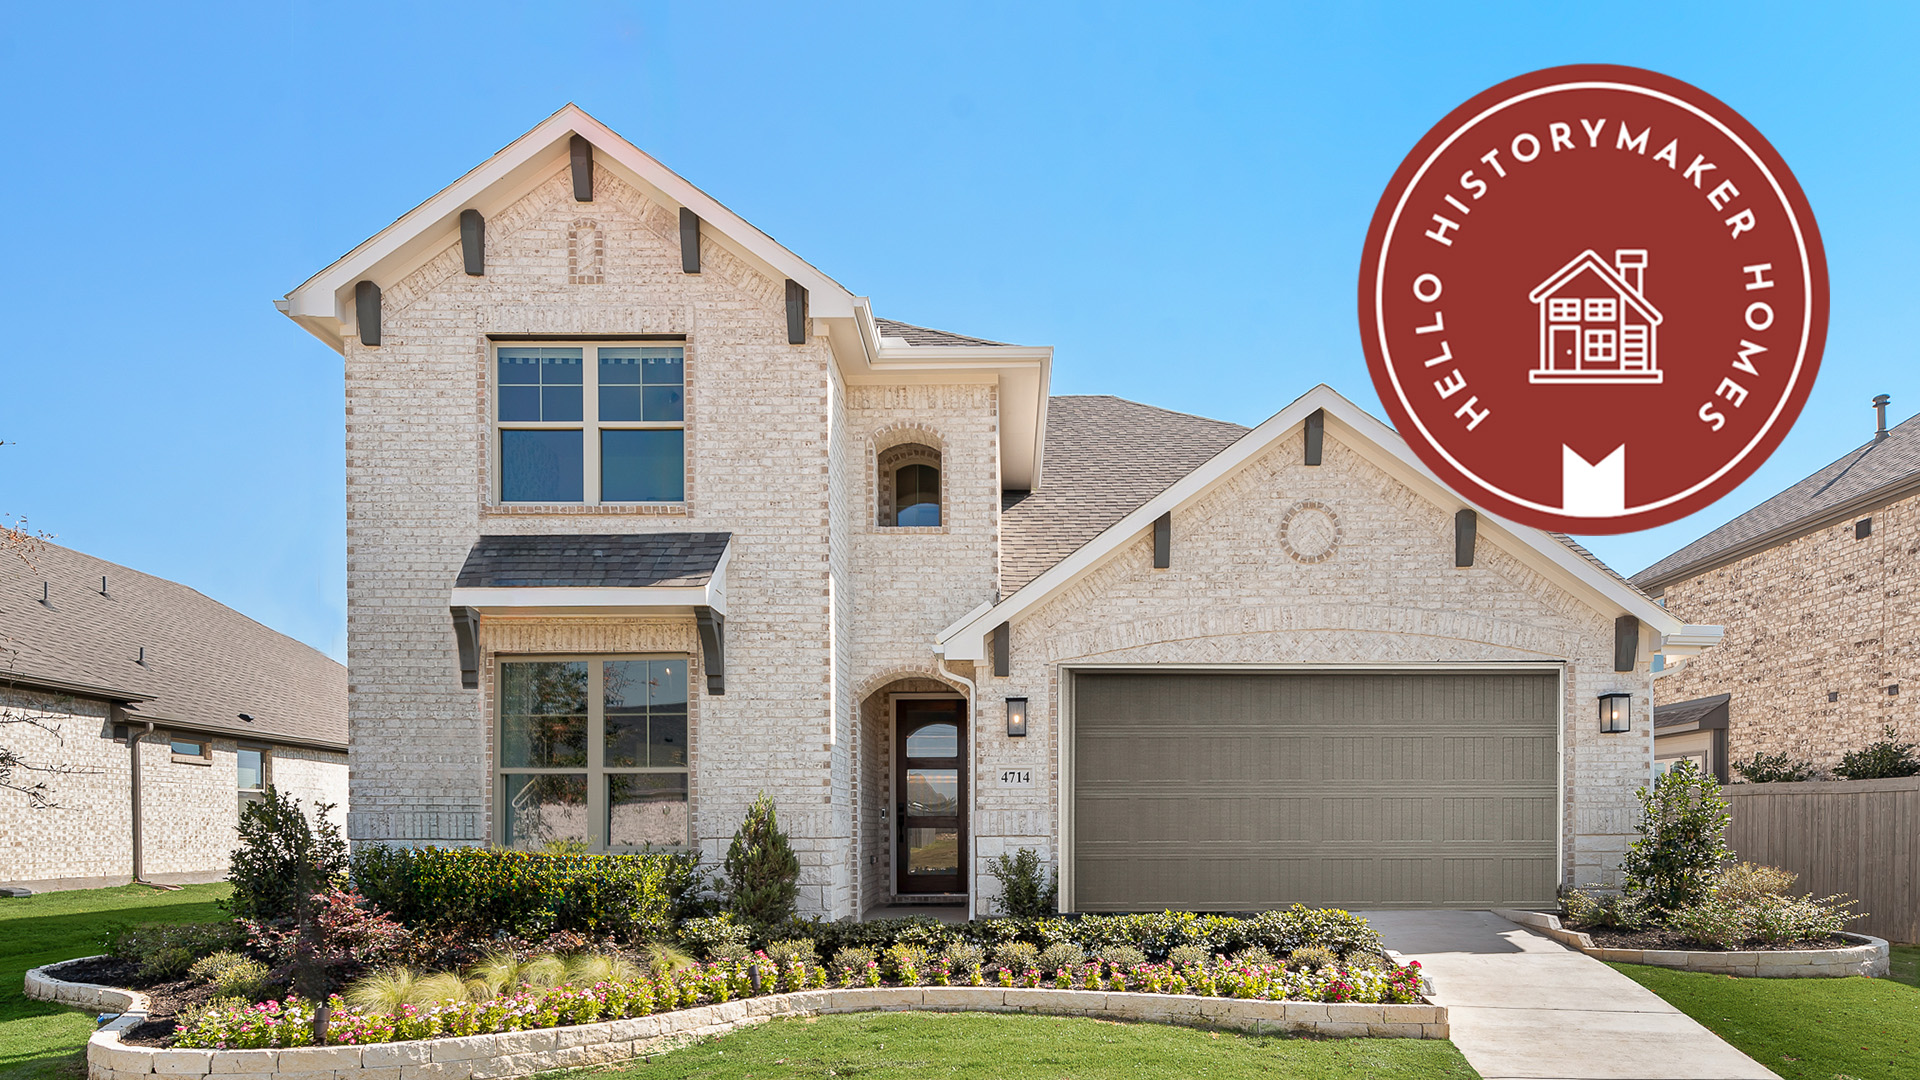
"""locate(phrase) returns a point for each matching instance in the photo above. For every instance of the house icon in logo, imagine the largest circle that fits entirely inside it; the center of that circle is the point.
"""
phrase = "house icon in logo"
(1595, 326)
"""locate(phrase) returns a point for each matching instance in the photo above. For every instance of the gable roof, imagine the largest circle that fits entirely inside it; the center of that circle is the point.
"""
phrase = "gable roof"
(324, 303)
(892, 330)
(1861, 480)
(594, 560)
(1383, 447)
(1105, 456)
(205, 663)
(1590, 259)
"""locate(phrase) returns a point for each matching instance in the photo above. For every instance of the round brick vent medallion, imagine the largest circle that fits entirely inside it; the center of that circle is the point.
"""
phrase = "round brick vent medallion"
(1310, 531)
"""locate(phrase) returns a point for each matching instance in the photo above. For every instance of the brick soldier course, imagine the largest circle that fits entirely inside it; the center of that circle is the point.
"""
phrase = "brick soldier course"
(795, 396)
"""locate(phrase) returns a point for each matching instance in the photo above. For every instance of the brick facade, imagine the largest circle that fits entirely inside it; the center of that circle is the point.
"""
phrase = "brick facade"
(1818, 630)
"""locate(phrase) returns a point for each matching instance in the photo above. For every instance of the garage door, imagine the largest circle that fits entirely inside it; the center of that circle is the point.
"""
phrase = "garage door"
(1237, 792)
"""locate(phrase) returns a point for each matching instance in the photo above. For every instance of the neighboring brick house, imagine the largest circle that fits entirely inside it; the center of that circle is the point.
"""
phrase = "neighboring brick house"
(1815, 587)
(173, 711)
(647, 515)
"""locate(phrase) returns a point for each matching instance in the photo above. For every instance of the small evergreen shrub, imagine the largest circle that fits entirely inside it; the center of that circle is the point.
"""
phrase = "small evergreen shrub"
(230, 974)
(1254, 956)
(1061, 955)
(1773, 769)
(1312, 957)
(763, 874)
(487, 892)
(1590, 910)
(283, 857)
(965, 961)
(705, 937)
(906, 964)
(854, 958)
(1682, 842)
(1772, 920)
(1189, 955)
(1745, 882)
(1028, 890)
(1017, 956)
(793, 949)
(1887, 759)
(167, 951)
(1123, 957)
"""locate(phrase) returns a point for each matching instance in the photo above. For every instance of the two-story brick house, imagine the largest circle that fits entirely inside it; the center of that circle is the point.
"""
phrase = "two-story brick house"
(1815, 587)
(647, 515)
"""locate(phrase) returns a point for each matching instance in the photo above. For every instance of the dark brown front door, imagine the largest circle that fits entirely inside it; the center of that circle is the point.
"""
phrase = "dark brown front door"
(930, 770)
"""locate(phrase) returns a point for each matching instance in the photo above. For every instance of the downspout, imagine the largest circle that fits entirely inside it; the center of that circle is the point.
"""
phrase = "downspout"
(139, 848)
(973, 782)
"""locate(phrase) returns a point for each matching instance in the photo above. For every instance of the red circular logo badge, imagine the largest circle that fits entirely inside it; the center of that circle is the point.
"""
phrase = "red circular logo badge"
(1593, 299)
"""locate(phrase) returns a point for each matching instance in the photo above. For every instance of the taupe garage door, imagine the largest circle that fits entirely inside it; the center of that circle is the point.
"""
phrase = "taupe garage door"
(1237, 792)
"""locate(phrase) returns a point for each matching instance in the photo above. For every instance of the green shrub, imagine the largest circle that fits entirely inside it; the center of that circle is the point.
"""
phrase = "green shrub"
(167, 951)
(230, 974)
(1028, 890)
(488, 892)
(965, 960)
(1255, 956)
(1769, 919)
(703, 937)
(906, 964)
(763, 874)
(1313, 957)
(854, 958)
(1682, 827)
(791, 949)
(1587, 910)
(1059, 955)
(1190, 955)
(1886, 759)
(1124, 957)
(283, 857)
(1773, 769)
(1747, 881)
(1017, 956)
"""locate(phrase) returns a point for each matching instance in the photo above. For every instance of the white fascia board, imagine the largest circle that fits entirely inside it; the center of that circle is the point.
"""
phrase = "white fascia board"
(1692, 640)
(965, 639)
(323, 303)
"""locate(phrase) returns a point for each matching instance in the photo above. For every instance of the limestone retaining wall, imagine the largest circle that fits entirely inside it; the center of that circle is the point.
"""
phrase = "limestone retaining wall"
(1869, 958)
(522, 1053)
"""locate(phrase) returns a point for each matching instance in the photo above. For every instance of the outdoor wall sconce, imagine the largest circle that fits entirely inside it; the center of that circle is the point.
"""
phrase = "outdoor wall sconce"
(1017, 717)
(1616, 713)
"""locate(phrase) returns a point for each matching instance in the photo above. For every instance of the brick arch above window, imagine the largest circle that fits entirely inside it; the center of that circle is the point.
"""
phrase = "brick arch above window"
(895, 449)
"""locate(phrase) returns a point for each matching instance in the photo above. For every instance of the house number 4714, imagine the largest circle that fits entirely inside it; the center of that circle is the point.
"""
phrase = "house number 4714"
(1016, 778)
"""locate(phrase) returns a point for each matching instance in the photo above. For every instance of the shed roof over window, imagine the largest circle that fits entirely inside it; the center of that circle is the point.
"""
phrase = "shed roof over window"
(595, 561)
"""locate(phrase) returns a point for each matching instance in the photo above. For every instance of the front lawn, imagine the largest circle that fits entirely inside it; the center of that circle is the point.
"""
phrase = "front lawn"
(900, 1046)
(1905, 964)
(1803, 1029)
(43, 1041)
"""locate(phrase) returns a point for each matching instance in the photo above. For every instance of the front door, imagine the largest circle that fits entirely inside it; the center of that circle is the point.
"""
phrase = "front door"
(930, 771)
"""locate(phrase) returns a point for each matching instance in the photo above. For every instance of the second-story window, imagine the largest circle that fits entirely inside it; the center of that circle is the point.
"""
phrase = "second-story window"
(909, 486)
(591, 423)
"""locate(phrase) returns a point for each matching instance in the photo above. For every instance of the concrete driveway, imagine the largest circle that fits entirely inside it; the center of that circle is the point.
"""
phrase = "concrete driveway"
(1524, 1005)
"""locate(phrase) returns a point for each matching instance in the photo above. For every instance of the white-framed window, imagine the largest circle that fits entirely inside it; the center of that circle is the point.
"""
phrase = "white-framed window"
(1662, 766)
(250, 764)
(1600, 347)
(190, 751)
(1602, 309)
(589, 423)
(1563, 309)
(593, 750)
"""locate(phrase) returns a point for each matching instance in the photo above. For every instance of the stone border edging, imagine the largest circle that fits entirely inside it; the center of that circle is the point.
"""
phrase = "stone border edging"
(1869, 958)
(521, 1053)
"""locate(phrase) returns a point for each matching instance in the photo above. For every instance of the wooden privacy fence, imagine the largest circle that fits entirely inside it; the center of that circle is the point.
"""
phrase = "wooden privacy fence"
(1859, 837)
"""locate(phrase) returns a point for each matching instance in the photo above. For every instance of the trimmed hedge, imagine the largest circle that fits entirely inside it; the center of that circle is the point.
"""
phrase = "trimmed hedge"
(491, 891)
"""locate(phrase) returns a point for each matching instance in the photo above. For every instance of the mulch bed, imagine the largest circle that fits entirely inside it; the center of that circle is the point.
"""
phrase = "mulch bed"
(170, 999)
(1659, 938)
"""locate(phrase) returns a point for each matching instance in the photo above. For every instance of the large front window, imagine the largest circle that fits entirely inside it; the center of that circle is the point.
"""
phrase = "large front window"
(591, 423)
(593, 751)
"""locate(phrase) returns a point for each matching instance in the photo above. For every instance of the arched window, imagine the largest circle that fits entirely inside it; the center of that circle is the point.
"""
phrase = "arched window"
(909, 486)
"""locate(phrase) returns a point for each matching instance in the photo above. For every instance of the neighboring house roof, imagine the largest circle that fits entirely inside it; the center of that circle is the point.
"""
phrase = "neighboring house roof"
(1380, 445)
(205, 663)
(1105, 456)
(920, 335)
(1867, 477)
(617, 561)
(1591, 260)
(1698, 713)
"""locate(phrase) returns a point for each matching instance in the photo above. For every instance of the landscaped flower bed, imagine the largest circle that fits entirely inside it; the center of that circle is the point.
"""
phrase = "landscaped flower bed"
(289, 1022)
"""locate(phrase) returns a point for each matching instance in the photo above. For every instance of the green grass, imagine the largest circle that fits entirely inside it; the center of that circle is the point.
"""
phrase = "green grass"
(1905, 964)
(921, 1046)
(43, 1041)
(1803, 1029)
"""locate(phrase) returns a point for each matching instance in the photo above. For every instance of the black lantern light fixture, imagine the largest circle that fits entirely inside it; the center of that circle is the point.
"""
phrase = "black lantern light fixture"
(1017, 717)
(1616, 712)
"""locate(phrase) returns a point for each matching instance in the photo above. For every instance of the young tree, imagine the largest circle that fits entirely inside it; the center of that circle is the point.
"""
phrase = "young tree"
(762, 871)
(1683, 839)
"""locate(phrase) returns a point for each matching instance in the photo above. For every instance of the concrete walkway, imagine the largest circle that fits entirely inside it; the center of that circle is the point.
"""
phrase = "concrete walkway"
(1525, 1006)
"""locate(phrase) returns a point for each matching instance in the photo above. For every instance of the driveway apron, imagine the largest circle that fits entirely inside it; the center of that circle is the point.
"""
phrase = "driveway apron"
(1522, 1005)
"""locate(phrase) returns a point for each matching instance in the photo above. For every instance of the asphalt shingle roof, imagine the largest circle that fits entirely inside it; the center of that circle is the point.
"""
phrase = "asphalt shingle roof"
(1688, 712)
(1105, 457)
(920, 335)
(1856, 480)
(205, 663)
(594, 560)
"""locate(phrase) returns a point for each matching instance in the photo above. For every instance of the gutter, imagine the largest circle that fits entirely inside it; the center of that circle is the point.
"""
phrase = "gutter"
(133, 745)
(973, 783)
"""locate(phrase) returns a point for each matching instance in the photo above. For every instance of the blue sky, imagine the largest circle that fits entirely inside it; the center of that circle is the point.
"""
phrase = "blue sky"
(1174, 197)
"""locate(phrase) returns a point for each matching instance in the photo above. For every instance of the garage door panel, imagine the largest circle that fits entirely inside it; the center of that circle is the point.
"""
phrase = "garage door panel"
(1237, 792)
